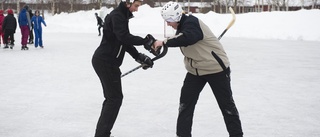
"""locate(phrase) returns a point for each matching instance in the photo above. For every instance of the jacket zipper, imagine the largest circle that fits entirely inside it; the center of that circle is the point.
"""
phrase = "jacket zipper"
(191, 60)
(119, 51)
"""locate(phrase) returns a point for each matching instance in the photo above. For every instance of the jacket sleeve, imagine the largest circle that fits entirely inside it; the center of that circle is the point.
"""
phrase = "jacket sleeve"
(19, 19)
(190, 33)
(132, 51)
(4, 23)
(15, 25)
(44, 23)
(121, 30)
(29, 19)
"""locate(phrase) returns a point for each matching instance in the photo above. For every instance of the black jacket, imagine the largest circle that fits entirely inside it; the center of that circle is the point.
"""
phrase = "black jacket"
(99, 21)
(116, 39)
(9, 23)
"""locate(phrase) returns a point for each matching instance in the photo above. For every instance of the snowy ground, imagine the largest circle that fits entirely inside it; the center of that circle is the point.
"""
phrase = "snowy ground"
(54, 92)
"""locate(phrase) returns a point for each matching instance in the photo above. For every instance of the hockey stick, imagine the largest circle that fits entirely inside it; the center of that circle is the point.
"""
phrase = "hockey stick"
(230, 24)
(163, 53)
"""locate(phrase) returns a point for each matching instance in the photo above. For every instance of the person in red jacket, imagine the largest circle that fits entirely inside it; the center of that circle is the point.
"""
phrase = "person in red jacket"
(1, 32)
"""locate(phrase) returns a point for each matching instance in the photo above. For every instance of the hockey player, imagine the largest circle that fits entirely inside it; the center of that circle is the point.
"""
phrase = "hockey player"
(206, 62)
(108, 57)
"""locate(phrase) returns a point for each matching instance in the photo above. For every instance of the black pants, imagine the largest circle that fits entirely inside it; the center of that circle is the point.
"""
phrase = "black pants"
(111, 84)
(8, 33)
(99, 29)
(31, 36)
(220, 85)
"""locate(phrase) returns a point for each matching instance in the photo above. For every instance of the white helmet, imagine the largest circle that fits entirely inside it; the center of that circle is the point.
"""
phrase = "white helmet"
(131, 1)
(171, 12)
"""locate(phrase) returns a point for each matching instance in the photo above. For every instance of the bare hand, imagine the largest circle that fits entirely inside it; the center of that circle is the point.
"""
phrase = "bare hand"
(157, 44)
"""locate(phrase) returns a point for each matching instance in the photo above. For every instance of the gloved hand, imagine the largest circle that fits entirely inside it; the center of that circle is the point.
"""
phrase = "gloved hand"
(145, 61)
(149, 41)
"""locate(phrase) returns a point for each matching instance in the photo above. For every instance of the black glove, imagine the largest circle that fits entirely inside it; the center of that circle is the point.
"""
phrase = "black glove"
(149, 40)
(145, 61)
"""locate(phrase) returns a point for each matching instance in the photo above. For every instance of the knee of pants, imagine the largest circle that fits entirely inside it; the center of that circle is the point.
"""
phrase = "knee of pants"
(231, 111)
(113, 102)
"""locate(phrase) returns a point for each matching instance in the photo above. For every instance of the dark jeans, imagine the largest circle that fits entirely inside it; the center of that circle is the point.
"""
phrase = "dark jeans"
(30, 36)
(220, 85)
(111, 84)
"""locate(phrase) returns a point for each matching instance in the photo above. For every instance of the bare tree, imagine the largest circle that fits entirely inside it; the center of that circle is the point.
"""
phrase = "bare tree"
(227, 4)
(18, 7)
(53, 7)
(2, 3)
(302, 4)
(71, 2)
(235, 6)
(314, 3)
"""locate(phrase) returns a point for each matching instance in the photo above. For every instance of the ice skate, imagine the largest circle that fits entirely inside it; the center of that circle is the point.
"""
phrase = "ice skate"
(5, 47)
(24, 47)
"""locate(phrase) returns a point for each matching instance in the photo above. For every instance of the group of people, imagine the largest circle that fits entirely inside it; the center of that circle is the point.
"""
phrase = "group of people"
(204, 57)
(27, 21)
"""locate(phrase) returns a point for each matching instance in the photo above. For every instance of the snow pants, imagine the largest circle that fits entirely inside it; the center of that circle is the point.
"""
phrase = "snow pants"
(25, 34)
(110, 78)
(220, 85)
(38, 37)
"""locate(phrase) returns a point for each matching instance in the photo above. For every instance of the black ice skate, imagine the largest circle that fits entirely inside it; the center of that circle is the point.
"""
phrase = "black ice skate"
(24, 47)
(5, 47)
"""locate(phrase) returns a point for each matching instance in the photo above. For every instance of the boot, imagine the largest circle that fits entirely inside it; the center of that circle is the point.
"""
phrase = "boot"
(5, 47)
(24, 47)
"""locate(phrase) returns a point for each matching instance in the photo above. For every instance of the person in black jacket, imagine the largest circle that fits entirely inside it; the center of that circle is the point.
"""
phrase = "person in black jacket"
(31, 32)
(108, 57)
(99, 23)
(9, 27)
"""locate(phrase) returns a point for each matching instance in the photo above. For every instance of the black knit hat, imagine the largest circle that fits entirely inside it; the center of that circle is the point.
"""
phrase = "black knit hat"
(26, 7)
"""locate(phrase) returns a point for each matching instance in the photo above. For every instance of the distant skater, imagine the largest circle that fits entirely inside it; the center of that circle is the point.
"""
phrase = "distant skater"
(25, 26)
(9, 27)
(37, 20)
(99, 23)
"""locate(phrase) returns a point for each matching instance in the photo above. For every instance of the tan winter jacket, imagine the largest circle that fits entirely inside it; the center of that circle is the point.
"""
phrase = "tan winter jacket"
(197, 42)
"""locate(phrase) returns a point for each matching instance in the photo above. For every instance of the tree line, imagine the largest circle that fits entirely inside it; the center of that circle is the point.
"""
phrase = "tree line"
(203, 6)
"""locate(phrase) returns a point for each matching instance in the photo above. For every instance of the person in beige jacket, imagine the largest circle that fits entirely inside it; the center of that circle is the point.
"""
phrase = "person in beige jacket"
(206, 62)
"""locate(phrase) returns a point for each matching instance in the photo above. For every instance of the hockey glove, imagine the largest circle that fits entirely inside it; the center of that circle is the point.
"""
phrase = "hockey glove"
(149, 40)
(145, 61)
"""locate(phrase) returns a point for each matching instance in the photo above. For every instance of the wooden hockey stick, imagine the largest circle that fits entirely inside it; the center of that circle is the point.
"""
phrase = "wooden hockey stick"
(230, 24)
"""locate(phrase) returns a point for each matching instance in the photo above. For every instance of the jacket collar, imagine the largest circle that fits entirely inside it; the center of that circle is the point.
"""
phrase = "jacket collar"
(183, 18)
(123, 8)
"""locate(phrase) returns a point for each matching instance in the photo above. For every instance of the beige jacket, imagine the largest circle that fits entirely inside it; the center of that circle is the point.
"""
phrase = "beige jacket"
(198, 58)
